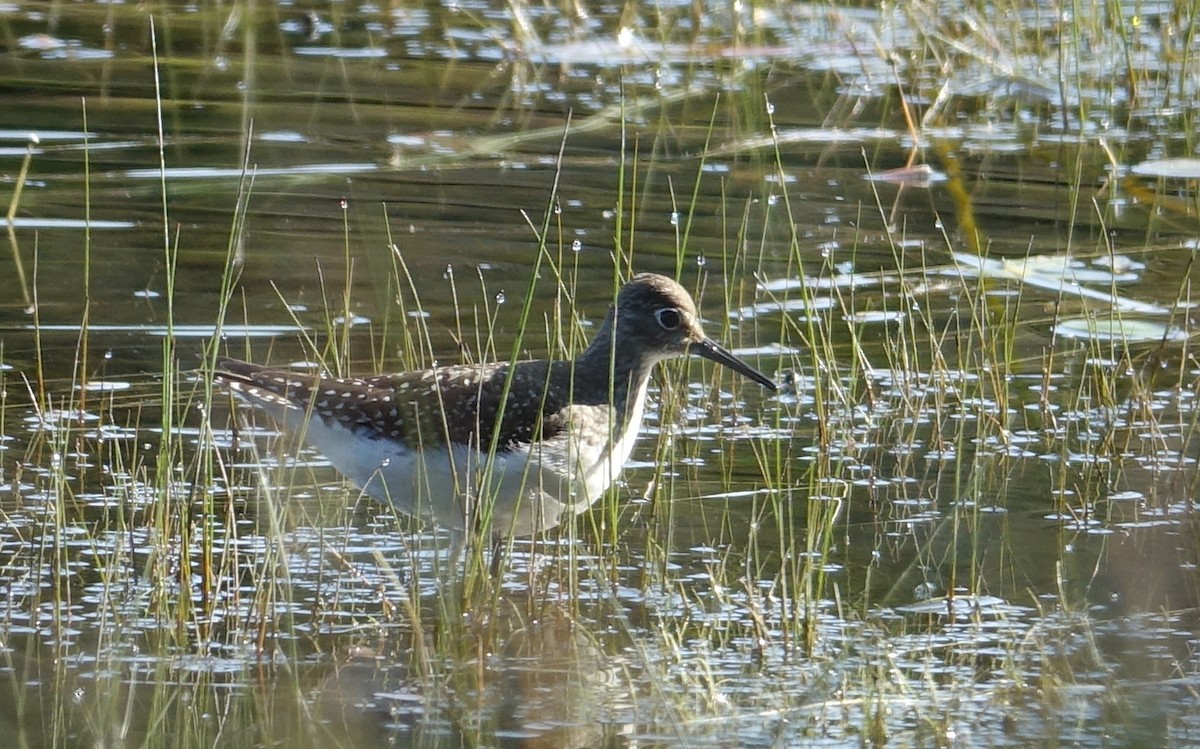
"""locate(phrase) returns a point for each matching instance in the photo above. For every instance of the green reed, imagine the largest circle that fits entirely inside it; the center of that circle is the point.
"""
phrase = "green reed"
(805, 506)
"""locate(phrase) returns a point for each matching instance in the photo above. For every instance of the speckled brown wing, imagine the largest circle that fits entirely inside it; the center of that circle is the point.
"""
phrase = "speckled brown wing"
(461, 403)
(458, 404)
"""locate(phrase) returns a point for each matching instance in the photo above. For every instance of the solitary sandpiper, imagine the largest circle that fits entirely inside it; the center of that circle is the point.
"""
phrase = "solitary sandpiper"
(522, 446)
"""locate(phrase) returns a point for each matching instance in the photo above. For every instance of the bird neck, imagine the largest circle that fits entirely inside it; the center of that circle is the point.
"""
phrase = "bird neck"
(613, 370)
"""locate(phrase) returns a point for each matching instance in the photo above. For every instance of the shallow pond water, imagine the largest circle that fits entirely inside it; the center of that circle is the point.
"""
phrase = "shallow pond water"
(963, 247)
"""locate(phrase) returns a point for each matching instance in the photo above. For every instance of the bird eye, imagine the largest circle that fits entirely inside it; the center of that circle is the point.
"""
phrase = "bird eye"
(668, 318)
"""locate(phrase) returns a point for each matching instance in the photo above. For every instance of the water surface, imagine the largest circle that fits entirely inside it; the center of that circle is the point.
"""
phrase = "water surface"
(969, 518)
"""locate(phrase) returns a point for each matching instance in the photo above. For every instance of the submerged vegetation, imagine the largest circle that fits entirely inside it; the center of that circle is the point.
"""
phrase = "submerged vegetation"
(961, 239)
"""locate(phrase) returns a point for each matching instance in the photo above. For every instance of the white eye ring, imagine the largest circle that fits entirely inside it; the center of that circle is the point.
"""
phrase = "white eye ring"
(669, 318)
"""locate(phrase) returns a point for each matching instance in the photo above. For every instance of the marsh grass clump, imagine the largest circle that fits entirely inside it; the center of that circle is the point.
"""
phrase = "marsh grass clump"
(969, 518)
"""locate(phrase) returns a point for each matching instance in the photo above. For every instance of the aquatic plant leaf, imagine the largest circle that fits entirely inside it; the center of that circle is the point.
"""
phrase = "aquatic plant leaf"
(1172, 168)
(1039, 271)
(1118, 329)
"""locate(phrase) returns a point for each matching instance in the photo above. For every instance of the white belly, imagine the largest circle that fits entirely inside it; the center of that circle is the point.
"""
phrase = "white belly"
(520, 491)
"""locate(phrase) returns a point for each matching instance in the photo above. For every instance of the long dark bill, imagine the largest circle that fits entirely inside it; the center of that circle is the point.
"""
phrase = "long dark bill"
(713, 351)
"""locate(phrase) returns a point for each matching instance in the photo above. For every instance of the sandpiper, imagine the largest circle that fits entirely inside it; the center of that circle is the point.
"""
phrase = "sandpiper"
(518, 447)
